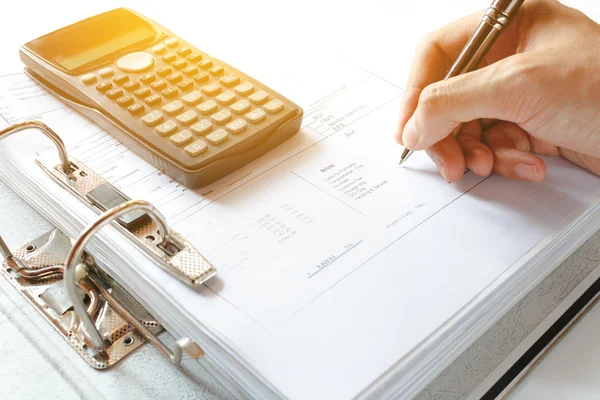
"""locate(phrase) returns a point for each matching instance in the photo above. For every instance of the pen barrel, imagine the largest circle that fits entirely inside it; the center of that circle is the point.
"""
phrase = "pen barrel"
(475, 51)
(496, 18)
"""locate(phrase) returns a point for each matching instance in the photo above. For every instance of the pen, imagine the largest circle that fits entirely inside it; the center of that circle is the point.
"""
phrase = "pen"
(496, 18)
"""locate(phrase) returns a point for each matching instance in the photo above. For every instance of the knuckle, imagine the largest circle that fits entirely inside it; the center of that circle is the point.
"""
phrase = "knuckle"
(432, 99)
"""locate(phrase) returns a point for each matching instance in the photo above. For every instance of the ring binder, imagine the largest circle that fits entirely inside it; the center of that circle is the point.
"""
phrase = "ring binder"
(172, 252)
(70, 282)
(95, 314)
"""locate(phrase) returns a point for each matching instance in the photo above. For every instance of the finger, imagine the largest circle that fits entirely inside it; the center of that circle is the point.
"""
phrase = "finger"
(478, 157)
(542, 147)
(449, 159)
(514, 132)
(590, 163)
(511, 162)
(436, 53)
(492, 92)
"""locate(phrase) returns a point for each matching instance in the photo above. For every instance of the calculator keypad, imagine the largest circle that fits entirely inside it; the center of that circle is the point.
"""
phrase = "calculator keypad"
(195, 105)
(106, 72)
(240, 107)
(88, 79)
(181, 138)
(187, 118)
(207, 107)
(192, 98)
(114, 94)
(142, 93)
(221, 117)
(135, 109)
(166, 128)
(217, 137)
(196, 148)
(153, 118)
(175, 107)
(131, 86)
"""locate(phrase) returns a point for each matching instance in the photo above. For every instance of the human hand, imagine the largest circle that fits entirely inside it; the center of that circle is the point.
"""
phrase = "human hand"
(536, 92)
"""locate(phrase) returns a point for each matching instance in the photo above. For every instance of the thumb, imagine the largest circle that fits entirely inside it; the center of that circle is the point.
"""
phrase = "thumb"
(491, 92)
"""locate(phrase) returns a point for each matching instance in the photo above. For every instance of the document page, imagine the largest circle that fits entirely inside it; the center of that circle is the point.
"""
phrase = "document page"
(332, 260)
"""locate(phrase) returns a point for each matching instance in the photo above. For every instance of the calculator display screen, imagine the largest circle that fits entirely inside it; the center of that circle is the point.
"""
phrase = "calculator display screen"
(93, 41)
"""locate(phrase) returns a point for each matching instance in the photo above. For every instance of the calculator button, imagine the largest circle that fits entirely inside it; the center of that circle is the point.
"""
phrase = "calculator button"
(193, 57)
(170, 57)
(255, 116)
(135, 62)
(181, 138)
(88, 79)
(173, 107)
(192, 98)
(187, 118)
(185, 85)
(158, 85)
(106, 72)
(226, 98)
(274, 106)
(211, 89)
(142, 93)
(191, 70)
(221, 117)
(159, 49)
(153, 100)
(217, 137)
(120, 79)
(174, 78)
(202, 127)
(259, 97)
(207, 107)
(244, 89)
(179, 64)
(230, 80)
(125, 101)
(153, 118)
(216, 70)
(103, 86)
(240, 107)
(196, 148)
(147, 78)
(201, 77)
(164, 71)
(172, 42)
(135, 109)
(237, 126)
(166, 128)
(169, 93)
(131, 86)
(205, 64)
(114, 93)
(184, 51)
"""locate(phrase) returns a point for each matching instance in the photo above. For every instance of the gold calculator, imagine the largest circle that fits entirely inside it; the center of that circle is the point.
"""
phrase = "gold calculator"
(189, 114)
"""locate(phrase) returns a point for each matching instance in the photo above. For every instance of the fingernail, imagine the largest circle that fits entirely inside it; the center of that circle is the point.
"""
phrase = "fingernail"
(410, 136)
(440, 166)
(528, 172)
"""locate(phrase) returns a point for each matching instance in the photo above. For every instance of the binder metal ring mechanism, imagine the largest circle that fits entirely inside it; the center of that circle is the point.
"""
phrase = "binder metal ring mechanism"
(95, 314)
